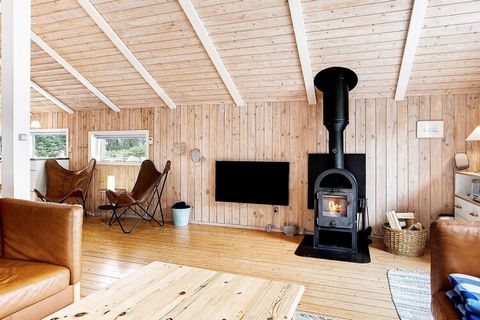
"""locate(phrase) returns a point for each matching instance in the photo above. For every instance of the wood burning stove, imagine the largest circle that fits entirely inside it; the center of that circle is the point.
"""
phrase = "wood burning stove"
(336, 199)
(336, 189)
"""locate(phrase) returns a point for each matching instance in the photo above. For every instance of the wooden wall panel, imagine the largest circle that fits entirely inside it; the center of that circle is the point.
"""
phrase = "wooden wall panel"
(403, 172)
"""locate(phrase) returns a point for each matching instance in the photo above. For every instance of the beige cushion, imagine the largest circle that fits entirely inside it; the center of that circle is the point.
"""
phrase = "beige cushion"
(23, 283)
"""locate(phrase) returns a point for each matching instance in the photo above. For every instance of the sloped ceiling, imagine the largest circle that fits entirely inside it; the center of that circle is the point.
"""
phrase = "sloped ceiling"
(256, 42)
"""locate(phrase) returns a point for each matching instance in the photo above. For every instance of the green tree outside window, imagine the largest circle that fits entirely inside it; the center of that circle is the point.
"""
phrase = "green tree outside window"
(49, 146)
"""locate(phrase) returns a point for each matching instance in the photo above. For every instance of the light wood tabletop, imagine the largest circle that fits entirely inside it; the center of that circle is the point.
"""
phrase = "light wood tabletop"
(164, 291)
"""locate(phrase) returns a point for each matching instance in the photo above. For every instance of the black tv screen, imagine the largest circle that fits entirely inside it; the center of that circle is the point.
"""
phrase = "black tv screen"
(252, 182)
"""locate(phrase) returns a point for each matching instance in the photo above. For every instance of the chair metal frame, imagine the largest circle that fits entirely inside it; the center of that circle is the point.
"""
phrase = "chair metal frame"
(144, 213)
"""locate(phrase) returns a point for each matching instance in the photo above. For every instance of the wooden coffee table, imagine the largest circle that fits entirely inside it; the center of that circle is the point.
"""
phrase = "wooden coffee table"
(164, 291)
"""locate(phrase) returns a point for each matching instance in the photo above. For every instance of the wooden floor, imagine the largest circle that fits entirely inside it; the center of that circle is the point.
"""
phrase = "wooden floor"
(337, 289)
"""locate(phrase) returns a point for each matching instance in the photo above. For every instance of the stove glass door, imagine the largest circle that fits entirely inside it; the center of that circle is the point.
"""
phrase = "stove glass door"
(334, 205)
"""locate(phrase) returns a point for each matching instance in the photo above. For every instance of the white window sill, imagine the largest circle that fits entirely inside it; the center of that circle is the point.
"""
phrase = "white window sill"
(131, 163)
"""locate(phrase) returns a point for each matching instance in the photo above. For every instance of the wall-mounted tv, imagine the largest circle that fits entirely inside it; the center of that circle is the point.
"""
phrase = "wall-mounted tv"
(258, 182)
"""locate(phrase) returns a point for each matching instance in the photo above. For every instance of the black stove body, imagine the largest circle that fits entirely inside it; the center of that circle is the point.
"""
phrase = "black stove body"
(336, 189)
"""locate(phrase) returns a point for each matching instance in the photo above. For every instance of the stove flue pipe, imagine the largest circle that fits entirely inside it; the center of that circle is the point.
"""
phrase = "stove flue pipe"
(335, 83)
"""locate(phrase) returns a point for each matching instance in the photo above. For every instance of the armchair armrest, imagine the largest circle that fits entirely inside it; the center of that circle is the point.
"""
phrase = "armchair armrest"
(44, 232)
(454, 247)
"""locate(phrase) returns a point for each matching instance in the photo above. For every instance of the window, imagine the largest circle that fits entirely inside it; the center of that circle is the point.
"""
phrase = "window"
(118, 146)
(49, 143)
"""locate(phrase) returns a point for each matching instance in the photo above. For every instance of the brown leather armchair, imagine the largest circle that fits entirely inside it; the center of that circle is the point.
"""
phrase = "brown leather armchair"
(150, 184)
(454, 250)
(40, 258)
(67, 186)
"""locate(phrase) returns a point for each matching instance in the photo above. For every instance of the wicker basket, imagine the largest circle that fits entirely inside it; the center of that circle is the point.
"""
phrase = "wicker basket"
(405, 242)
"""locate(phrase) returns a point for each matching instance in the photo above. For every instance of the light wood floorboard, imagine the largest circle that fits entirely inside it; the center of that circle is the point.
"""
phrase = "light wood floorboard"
(338, 289)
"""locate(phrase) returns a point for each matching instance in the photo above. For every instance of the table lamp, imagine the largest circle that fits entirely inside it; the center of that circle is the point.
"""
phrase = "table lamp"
(111, 183)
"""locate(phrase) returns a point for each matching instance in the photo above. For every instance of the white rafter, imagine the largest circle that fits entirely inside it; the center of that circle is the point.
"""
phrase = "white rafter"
(47, 95)
(118, 42)
(413, 37)
(202, 34)
(296, 13)
(42, 44)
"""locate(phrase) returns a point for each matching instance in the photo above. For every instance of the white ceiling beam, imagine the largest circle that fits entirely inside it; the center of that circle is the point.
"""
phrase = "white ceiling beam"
(202, 34)
(42, 44)
(127, 53)
(47, 95)
(296, 13)
(413, 37)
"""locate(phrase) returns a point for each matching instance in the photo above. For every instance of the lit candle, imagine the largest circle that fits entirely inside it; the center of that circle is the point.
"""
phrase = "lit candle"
(111, 183)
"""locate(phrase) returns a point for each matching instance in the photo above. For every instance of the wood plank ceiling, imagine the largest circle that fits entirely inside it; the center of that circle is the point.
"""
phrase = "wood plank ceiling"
(256, 42)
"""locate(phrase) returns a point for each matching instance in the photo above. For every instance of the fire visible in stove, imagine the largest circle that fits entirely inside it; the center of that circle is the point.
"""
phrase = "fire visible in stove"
(335, 206)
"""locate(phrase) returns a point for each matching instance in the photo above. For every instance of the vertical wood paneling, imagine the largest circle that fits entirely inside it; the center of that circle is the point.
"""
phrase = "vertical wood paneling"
(413, 154)
(423, 213)
(381, 162)
(402, 155)
(350, 130)
(448, 177)
(205, 149)
(460, 134)
(436, 172)
(198, 165)
(403, 172)
(360, 126)
(190, 143)
(392, 144)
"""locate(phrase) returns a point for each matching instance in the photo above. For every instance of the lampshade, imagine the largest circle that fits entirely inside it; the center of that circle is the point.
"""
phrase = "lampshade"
(111, 183)
(475, 135)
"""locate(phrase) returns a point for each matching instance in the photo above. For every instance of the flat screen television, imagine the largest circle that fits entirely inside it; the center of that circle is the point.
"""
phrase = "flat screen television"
(252, 182)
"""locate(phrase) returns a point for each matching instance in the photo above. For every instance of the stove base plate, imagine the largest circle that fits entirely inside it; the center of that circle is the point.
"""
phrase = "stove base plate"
(306, 249)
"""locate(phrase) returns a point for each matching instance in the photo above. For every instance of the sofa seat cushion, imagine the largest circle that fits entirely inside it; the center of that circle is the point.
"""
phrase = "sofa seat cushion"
(23, 283)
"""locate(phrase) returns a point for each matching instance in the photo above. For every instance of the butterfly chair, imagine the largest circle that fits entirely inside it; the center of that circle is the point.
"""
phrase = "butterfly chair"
(150, 183)
(67, 186)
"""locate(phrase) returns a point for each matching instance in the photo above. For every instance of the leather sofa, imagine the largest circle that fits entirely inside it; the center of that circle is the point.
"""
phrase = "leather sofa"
(40, 258)
(454, 246)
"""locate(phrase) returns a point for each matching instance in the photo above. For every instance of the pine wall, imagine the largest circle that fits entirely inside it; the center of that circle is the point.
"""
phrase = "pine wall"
(403, 172)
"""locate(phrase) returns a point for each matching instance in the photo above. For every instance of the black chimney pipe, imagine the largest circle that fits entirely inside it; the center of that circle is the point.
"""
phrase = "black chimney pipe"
(335, 82)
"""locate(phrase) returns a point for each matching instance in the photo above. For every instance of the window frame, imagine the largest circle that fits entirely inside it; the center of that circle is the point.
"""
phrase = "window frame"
(92, 134)
(59, 130)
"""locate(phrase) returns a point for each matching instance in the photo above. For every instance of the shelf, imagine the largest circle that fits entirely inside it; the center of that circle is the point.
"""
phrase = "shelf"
(468, 199)
(468, 173)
